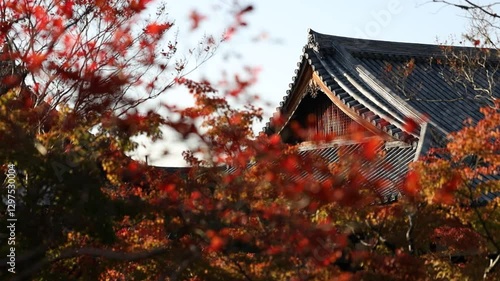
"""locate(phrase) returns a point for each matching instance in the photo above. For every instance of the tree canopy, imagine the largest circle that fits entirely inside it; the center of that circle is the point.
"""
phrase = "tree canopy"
(74, 76)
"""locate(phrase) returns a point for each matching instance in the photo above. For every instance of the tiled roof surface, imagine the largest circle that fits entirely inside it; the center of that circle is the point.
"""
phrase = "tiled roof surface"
(367, 75)
(388, 82)
(389, 168)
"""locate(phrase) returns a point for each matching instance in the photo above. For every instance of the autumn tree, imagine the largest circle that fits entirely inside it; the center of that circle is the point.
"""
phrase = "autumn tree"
(249, 207)
(74, 74)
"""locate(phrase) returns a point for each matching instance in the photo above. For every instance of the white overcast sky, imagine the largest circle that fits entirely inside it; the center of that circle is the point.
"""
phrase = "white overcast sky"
(286, 23)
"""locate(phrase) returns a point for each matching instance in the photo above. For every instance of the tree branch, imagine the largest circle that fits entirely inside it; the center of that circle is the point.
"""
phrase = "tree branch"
(27, 256)
(493, 263)
(409, 234)
(472, 6)
(93, 252)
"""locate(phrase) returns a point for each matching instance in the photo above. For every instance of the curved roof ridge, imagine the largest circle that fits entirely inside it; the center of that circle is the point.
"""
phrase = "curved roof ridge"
(382, 47)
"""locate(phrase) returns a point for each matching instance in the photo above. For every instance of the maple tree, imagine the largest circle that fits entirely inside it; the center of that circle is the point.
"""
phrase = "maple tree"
(76, 73)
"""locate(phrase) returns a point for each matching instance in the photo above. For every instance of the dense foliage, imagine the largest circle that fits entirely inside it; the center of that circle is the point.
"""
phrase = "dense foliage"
(74, 75)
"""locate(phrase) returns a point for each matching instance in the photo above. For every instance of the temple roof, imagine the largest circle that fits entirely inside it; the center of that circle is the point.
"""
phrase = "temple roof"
(388, 83)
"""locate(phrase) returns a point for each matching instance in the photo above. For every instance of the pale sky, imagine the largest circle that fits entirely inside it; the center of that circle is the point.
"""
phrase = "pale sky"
(286, 23)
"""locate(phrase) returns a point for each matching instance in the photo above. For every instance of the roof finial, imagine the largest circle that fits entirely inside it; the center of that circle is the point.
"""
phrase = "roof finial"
(311, 41)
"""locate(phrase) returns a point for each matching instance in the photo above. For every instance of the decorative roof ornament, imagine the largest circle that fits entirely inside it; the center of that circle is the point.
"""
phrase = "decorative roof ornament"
(312, 43)
(312, 89)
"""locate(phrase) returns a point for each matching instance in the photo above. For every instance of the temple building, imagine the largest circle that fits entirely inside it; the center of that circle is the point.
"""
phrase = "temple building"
(405, 94)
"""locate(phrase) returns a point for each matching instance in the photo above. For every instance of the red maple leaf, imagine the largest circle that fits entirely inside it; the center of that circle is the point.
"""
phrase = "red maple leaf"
(412, 185)
(410, 125)
(196, 18)
(370, 149)
(156, 29)
(139, 5)
(67, 8)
